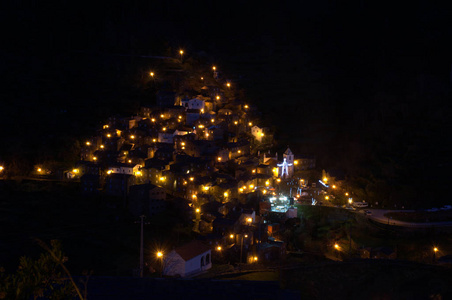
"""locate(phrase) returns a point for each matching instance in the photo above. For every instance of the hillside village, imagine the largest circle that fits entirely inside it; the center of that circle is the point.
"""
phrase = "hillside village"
(205, 154)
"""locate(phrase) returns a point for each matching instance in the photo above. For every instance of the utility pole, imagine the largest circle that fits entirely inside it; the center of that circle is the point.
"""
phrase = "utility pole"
(142, 244)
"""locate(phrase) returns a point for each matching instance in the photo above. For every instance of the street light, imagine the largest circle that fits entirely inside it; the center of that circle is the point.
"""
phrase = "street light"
(181, 52)
(160, 256)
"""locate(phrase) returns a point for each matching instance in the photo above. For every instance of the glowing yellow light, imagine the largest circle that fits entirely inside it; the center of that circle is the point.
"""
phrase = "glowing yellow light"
(132, 137)
(1, 168)
(225, 194)
(154, 140)
(214, 68)
(219, 158)
(264, 191)
(246, 106)
(159, 254)
(39, 170)
(102, 146)
(231, 236)
(201, 126)
(250, 124)
(192, 178)
(244, 187)
(325, 179)
(435, 249)
(198, 210)
(202, 110)
(249, 220)
(267, 182)
(138, 173)
(350, 200)
(105, 126)
(180, 117)
(88, 143)
(212, 120)
(251, 186)
(162, 115)
(152, 74)
(346, 194)
(162, 178)
(219, 248)
(129, 161)
(218, 97)
(153, 120)
(182, 144)
(240, 190)
(235, 122)
(262, 134)
(246, 235)
(202, 78)
(109, 172)
(74, 170)
(254, 171)
(181, 52)
(164, 128)
(108, 135)
(295, 162)
(327, 197)
(278, 180)
(206, 188)
(255, 258)
(94, 158)
(239, 151)
(336, 246)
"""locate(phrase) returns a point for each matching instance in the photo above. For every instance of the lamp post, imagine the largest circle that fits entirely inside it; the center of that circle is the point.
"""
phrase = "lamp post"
(181, 52)
(435, 249)
(160, 256)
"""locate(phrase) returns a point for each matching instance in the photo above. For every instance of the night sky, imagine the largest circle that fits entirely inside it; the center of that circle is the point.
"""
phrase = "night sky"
(363, 86)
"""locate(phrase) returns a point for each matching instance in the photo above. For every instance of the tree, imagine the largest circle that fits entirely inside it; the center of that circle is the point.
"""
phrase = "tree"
(46, 277)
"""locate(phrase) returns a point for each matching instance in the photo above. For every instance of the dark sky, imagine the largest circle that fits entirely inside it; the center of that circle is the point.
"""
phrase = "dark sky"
(352, 72)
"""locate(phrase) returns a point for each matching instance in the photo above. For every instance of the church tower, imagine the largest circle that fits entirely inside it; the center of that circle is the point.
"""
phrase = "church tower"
(289, 157)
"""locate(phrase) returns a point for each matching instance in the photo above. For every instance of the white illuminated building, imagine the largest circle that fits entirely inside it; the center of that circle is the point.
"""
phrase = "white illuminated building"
(286, 168)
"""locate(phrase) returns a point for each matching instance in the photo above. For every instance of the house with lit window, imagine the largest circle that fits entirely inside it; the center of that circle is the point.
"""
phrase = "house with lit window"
(189, 259)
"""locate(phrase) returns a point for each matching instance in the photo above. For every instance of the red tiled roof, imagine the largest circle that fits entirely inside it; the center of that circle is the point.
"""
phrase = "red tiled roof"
(192, 249)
